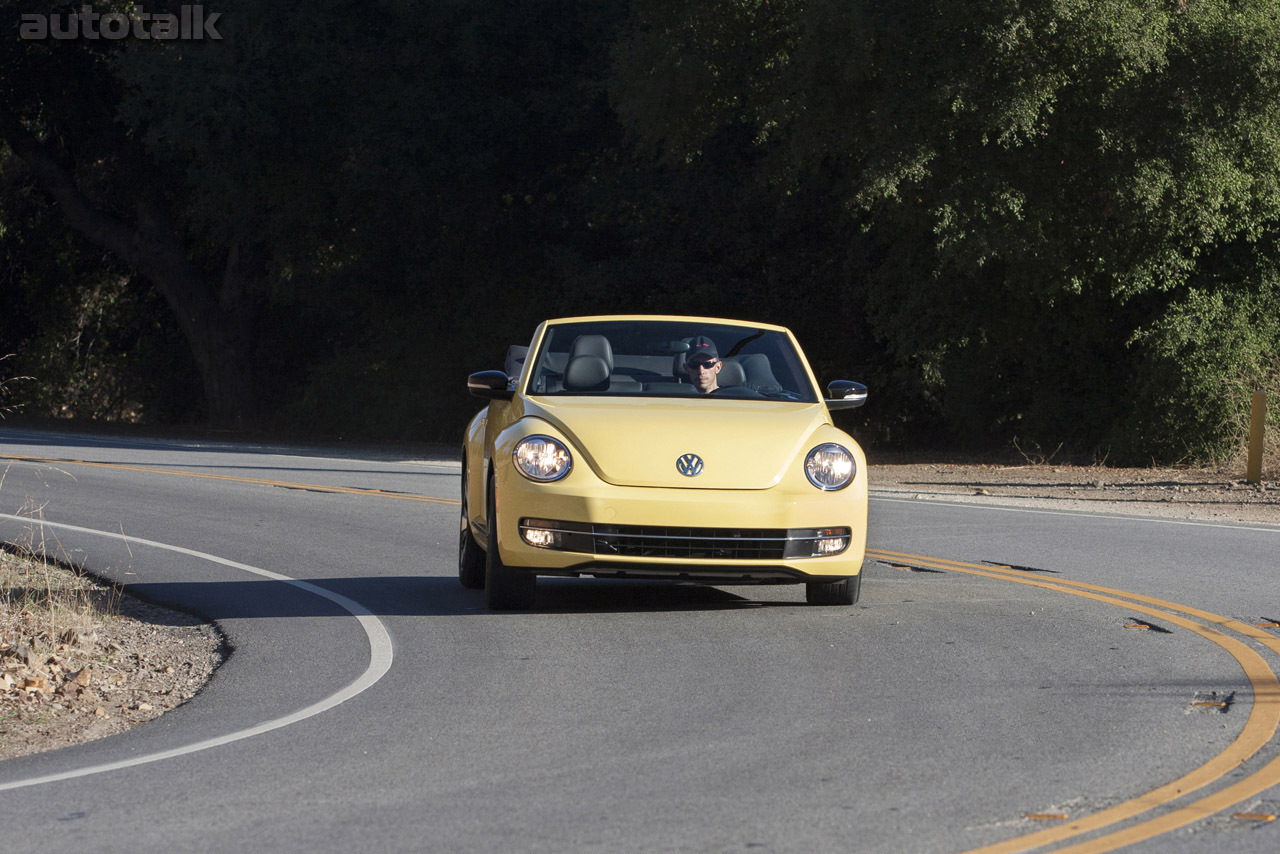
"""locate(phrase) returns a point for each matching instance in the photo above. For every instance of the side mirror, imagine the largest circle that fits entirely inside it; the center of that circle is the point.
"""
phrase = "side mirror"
(845, 394)
(491, 385)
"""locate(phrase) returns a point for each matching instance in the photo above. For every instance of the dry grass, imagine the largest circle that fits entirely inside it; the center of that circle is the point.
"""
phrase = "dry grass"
(44, 603)
(49, 614)
(50, 617)
(7, 386)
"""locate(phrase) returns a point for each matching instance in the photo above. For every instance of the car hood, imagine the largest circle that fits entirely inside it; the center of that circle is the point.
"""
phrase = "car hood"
(743, 444)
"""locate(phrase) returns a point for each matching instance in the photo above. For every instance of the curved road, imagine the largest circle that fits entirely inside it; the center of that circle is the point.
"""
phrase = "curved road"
(989, 692)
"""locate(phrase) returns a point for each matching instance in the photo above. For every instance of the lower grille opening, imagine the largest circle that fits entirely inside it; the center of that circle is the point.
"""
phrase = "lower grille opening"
(685, 543)
(690, 543)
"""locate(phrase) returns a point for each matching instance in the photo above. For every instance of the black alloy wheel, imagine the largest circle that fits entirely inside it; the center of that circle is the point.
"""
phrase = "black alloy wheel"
(471, 558)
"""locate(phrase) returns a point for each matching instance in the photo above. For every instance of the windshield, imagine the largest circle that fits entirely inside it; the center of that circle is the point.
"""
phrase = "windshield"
(647, 358)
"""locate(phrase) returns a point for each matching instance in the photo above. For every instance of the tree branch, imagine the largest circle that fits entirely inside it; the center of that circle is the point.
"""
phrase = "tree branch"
(55, 177)
(150, 246)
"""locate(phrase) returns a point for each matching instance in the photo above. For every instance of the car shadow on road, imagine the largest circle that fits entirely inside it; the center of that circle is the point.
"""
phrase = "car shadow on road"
(569, 595)
(400, 596)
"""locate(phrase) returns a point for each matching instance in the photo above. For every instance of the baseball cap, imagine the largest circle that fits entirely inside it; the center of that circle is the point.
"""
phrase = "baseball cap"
(702, 348)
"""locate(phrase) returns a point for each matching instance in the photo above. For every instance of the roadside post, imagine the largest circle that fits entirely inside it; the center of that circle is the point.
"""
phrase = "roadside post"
(1256, 424)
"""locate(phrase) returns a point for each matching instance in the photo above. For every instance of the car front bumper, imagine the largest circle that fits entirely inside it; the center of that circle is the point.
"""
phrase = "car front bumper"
(592, 517)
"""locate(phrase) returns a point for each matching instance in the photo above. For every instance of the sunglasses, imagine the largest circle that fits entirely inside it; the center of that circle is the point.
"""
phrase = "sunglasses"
(703, 365)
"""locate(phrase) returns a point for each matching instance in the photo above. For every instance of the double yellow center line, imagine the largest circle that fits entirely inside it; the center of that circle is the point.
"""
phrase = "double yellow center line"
(308, 487)
(1258, 730)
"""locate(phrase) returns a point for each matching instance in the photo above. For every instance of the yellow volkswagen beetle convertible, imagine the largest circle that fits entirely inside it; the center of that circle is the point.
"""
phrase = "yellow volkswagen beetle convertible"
(682, 448)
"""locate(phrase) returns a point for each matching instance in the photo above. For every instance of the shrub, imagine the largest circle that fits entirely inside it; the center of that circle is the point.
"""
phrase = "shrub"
(1198, 366)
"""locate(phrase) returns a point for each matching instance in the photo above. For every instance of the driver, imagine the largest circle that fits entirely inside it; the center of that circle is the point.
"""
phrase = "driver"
(702, 364)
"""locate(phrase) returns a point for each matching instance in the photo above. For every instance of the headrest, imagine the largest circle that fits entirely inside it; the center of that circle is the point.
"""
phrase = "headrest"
(586, 373)
(731, 373)
(760, 373)
(593, 345)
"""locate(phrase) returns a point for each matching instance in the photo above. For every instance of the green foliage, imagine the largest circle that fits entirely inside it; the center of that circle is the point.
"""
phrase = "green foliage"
(1082, 140)
(1200, 363)
(397, 175)
(103, 356)
(91, 340)
(8, 385)
(1045, 220)
(1024, 179)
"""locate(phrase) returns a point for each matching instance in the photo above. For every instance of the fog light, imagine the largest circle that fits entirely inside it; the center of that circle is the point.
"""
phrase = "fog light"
(540, 537)
(830, 546)
(817, 542)
(557, 534)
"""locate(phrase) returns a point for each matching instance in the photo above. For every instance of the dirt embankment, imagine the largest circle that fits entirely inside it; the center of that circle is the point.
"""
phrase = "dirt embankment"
(1216, 494)
(79, 662)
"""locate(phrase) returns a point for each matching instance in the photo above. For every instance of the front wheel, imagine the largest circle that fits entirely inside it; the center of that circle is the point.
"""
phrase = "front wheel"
(506, 588)
(843, 592)
(470, 556)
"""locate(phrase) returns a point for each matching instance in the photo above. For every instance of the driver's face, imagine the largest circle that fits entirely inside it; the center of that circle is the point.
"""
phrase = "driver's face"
(702, 373)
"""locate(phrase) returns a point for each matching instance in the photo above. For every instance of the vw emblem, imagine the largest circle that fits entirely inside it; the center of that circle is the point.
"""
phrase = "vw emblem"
(689, 465)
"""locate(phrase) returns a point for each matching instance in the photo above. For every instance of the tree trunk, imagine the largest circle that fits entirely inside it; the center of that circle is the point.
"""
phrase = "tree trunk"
(217, 322)
(228, 373)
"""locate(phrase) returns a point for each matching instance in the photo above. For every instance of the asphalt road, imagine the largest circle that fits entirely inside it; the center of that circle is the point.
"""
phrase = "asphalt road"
(990, 673)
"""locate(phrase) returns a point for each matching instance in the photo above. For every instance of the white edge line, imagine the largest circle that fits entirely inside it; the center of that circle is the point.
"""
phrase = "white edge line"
(1007, 508)
(380, 657)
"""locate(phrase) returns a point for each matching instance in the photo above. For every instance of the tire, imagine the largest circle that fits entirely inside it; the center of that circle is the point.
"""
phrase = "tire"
(471, 557)
(843, 592)
(506, 588)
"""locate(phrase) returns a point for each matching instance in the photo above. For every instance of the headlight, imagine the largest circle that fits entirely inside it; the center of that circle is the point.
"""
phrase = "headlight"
(830, 467)
(542, 458)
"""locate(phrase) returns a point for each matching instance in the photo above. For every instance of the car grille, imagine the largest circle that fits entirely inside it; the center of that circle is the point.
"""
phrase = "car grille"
(691, 543)
(666, 541)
